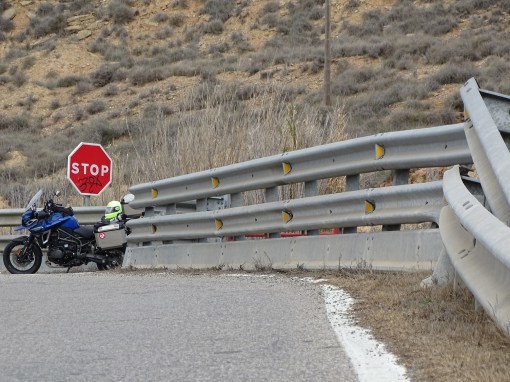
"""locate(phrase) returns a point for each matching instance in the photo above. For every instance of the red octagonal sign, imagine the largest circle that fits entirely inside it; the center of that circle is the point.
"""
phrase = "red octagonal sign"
(89, 168)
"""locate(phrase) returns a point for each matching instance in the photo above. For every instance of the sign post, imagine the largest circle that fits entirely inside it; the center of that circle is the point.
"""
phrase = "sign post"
(89, 168)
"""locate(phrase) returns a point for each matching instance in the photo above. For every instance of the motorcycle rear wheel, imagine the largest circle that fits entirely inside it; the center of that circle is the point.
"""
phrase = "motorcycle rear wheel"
(13, 262)
(114, 261)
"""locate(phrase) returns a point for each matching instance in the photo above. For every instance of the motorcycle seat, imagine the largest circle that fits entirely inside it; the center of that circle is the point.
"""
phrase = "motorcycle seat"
(85, 232)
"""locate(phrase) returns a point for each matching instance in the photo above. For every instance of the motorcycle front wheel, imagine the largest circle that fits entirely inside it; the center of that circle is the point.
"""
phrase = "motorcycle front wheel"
(20, 259)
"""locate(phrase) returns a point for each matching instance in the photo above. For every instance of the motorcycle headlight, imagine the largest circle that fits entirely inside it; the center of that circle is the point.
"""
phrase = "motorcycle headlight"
(27, 218)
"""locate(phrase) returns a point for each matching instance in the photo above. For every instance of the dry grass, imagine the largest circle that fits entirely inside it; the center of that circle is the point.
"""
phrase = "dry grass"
(225, 131)
(436, 333)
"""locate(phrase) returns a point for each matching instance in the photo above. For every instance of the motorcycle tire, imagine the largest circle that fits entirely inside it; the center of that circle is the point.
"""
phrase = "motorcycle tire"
(11, 254)
(114, 262)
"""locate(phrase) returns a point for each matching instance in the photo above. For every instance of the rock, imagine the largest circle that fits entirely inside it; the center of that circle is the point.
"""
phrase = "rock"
(9, 14)
(74, 28)
(83, 34)
(25, 2)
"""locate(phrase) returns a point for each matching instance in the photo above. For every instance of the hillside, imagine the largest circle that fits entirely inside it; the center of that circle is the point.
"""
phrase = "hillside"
(182, 85)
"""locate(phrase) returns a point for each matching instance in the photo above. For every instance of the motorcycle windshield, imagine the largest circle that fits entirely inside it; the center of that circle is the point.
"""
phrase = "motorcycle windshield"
(35, 199)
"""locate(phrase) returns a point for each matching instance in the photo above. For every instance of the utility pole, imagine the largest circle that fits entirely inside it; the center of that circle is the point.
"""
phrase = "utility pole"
(327, 56)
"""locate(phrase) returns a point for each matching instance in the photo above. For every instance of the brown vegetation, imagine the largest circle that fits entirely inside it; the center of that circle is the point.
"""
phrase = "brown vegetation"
(90, 71)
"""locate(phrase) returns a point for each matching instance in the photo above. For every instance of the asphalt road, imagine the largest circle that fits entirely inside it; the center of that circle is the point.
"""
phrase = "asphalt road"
(165, 327)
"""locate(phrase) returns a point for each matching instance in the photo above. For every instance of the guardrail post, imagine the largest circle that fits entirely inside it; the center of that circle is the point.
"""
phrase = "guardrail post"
(351, 184)
(202, 206)
(149, 212)
(399, 177)
(236, 200)
(272, 195)
(311, 189)
(170, 209)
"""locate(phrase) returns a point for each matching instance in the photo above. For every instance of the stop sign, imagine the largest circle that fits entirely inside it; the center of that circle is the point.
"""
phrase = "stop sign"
(89, 168)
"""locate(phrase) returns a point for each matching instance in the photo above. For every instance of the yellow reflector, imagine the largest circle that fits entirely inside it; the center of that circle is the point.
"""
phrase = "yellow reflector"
(154, 192)
(154, 228)
(287, 216)
(379, 151)
(218, 223)
(466, 115)
(215, 182)
(369, 206)
(287, 167)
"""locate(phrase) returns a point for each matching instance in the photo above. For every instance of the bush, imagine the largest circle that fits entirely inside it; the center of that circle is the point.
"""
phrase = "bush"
(111, 90)
(218, 9)
(54, 104)
(96, 106)
(270, 7)
(213, 27)
(104, 75)
(218, 48)
(180, 3)
(50, 19)
(6, 25)
(19, 79)
(120, 11)
(177, 20)
(141, 75)
(160, 17)
(82, 87)
(454, 73)
(164, 33)
(68, 81)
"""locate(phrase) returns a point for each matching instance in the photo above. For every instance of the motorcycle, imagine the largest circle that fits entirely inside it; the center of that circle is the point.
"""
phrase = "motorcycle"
(68, 245)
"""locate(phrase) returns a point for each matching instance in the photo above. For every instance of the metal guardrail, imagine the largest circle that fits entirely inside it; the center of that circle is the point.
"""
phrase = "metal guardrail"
(477, 243)
(430, 147)
(169, 239)
(414, 203)
(477, 240)
(488, 149)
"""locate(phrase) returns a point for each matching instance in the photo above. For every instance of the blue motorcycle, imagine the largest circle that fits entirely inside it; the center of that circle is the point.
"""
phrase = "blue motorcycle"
(55, 229)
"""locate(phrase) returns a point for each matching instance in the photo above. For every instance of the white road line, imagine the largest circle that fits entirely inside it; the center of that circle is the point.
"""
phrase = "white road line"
(369, 357)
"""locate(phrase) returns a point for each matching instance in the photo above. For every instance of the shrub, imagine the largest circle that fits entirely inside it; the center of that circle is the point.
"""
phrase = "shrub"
(68, 81)
(104, 75)
(240, 42)
(82, 87)
(218, 9)
(96, 106)
(20, 122)
(79, 114)
(164, 33)
(454, 73)
(270, 7)
(6, 25)
(141, 75)
(5, 121)
(50, 19)
(111, 90)
(219, 48)
(28, 62)
(54, 104)
(180, 3)
(19, 79)
(177, 20)
(120, 11)
(160, 17)
(213, 27)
